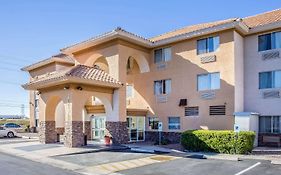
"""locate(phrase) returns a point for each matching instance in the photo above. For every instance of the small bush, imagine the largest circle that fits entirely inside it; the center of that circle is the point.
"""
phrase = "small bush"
(218, 141)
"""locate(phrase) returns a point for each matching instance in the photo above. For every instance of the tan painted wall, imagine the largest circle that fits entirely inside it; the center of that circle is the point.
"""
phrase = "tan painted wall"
(183, 70)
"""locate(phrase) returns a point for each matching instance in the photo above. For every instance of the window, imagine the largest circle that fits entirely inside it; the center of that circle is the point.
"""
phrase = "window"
(162, 55)
(129, 91)
(269, 41)
(174, 123)
(217, 110)
(207, 45)
(162, 87)
(153, 122)
(36, 103)
(270, 124)
(192, 111)
(208, 81)
(270, 79)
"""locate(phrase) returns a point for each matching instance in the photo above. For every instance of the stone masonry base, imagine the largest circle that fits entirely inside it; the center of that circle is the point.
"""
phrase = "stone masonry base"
(274, 143)
(47, 132)
(74, 136)
(171, 137)
(118, 131)
(88, 129)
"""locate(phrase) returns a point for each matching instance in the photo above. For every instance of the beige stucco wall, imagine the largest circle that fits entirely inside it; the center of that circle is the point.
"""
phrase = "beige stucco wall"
(239, 72)
(183, 70)
(253, 65)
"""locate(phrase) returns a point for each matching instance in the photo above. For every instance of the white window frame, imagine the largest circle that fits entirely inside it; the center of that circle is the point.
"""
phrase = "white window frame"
(163, 57)
(209, 81)
(207, 45)
(163, 83)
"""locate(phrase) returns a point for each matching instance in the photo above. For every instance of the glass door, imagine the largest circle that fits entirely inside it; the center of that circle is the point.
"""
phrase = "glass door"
(98, 127)
(136, 127)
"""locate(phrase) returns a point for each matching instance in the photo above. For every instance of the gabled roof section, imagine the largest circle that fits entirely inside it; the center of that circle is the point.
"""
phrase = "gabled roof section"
(77, 74)
(116, 33)
(263, 18)
(61, 57)
(191, 28)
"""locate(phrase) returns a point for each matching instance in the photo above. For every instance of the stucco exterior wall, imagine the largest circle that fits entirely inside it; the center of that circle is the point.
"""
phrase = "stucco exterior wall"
(183, 70)
(254, 64)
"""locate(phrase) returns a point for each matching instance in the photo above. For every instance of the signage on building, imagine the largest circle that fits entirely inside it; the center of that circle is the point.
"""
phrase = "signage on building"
(160, 126)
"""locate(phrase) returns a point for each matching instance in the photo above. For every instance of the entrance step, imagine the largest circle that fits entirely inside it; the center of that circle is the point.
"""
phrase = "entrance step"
(266, 151)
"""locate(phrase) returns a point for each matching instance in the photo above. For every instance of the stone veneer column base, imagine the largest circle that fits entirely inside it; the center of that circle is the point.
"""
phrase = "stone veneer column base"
(118, 131)
(74, 136)
(47, 132)
(88, 129)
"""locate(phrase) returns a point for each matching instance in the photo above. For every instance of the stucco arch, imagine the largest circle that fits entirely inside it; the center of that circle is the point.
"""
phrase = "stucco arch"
(51, 106)
(141, 61)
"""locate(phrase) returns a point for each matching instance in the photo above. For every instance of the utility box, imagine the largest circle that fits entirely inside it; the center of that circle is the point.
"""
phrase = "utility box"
(248, 121)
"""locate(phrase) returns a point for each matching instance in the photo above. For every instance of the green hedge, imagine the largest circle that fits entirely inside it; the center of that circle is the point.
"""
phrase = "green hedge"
(218, 141)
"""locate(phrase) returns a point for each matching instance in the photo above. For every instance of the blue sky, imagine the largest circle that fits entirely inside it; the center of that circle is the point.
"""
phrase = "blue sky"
(31, 30)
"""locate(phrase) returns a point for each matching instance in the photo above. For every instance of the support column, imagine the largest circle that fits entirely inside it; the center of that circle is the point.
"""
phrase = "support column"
(47, 132)
(74, 136)
(118, 131)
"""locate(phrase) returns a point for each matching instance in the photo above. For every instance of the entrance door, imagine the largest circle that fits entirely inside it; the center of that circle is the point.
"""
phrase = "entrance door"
(98, 127)
(136, 126)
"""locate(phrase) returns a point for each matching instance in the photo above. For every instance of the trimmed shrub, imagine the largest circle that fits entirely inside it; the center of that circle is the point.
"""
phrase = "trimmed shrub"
(227, 142)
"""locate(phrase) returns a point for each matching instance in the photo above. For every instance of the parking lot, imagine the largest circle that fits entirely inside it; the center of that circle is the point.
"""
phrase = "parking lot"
(119, 162)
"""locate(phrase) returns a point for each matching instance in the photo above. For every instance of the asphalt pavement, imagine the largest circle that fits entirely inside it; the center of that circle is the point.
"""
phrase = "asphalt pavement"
(11, 165)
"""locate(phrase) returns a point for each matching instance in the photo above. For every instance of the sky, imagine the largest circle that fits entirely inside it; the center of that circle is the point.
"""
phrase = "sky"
(31, 30)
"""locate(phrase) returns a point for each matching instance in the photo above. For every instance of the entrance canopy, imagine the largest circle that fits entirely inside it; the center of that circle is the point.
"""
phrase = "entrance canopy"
(80, 74)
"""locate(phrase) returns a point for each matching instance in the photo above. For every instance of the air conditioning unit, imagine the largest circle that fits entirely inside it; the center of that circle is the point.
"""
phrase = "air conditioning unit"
(208, 59)
(271, 94)
(161, 98)
(183, 102)
(161, 66)
(208, 95)
(271, 55)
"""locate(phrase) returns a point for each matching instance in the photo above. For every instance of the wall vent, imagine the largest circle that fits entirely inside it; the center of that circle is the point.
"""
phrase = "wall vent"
(208, 59)
(271, 94)
(217, 110)
(208, 95)
(191, 111)
(271, 55)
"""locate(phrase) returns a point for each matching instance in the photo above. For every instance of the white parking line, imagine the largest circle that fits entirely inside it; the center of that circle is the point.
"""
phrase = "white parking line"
(247, 169)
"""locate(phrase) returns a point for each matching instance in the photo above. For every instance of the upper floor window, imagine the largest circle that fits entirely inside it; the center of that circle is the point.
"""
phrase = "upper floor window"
(162, 87)
(269, 41)
(270, 79)
(162, 55)
(207, 45)
(129, 91)
(208, 81)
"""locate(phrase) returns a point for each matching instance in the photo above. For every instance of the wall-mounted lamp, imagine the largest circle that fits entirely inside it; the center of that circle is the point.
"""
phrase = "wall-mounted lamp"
(38, 93)
(79, 88)
(66, 87)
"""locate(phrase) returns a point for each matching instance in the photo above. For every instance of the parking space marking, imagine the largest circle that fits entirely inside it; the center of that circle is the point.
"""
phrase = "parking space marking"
(129, 164)
(247, 169)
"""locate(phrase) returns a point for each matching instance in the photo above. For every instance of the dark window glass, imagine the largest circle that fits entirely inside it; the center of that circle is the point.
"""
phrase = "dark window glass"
(265, 80)
(264, 42)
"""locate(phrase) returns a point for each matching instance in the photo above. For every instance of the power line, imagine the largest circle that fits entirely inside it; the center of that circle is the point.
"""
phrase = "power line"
(16, 58)
(9, 69)
(10, 82)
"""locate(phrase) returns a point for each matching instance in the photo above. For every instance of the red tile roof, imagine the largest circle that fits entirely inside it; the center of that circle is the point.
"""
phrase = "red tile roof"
(80, 72)
(263, 19)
